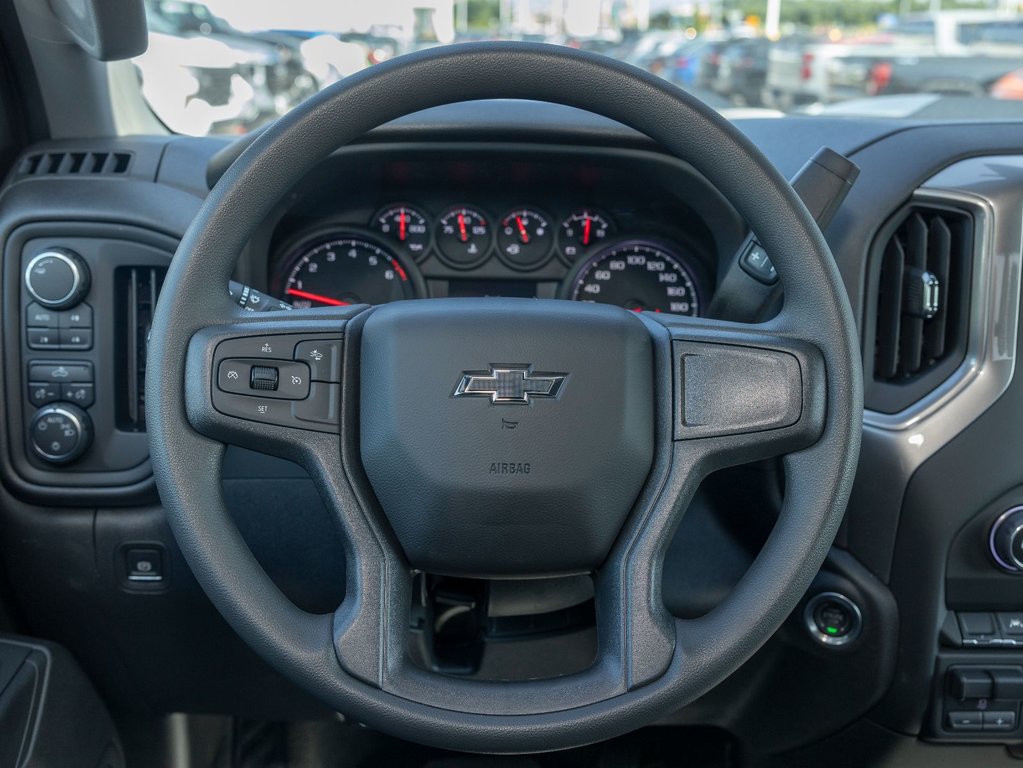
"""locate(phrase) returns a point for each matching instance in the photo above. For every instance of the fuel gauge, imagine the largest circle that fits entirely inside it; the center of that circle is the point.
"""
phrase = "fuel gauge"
(524, 238)
(406, 227)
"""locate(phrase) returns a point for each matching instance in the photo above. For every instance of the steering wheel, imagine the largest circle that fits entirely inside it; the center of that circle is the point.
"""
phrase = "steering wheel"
(397, 418)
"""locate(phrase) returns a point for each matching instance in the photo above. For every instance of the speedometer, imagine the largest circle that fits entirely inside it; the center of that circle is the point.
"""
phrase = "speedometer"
(637, 275)
(343, 270)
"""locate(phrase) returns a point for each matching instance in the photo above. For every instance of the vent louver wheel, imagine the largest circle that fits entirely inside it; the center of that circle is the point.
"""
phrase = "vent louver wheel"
(921, 266)
(75, 164)
(137, 290)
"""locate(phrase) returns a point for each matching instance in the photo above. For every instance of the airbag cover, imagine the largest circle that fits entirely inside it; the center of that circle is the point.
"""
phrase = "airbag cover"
(482, 488)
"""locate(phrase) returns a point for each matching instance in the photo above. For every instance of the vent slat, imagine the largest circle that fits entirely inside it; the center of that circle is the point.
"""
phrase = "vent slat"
(77, 163)
(939, 252)
(890, 309)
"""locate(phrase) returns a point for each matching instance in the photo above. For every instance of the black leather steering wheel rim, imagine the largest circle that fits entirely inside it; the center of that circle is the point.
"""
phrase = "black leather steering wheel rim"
(818, 475)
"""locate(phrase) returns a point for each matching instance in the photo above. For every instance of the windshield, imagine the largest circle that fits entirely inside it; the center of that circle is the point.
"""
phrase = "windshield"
(228, 66)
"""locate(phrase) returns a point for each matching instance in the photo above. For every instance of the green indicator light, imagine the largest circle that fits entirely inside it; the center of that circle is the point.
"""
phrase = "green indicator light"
(832, 630)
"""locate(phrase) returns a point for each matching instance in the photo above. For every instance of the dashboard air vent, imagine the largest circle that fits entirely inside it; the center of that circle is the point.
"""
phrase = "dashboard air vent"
(922, 265)
(137, 290)
(75, 164)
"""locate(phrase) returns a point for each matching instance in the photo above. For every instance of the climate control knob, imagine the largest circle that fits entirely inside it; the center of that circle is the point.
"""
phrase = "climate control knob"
(57, 278)
(1006, 540)
(60, 433)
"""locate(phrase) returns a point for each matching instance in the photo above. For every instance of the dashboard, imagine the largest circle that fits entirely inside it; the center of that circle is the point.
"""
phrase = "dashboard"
(600, 227)
(541, 202)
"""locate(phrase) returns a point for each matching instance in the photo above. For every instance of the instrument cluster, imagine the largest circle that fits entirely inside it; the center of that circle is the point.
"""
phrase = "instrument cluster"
(580, 255)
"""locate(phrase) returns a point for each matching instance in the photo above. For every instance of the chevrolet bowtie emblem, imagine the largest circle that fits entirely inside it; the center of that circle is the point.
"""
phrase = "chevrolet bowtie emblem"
(510, 384)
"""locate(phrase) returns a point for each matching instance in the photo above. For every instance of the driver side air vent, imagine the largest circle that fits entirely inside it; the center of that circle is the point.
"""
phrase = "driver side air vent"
(920, 271)
(137, 289)
(75, 164)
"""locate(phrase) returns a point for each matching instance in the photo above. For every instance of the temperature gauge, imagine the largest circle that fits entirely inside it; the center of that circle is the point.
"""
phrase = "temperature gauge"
(406, 227)
(524, 238)
(463, 237)
(581, 230)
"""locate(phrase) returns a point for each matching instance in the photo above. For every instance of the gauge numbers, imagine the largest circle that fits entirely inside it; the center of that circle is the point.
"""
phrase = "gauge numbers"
(341, 271)
(640, 276)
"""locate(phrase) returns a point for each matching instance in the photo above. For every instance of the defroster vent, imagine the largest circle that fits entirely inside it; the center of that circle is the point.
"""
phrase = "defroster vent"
(922, 266)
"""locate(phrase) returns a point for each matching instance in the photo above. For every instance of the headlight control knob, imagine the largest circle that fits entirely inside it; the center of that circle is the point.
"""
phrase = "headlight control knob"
(1006, 540)
(57, 278)
(60, 433)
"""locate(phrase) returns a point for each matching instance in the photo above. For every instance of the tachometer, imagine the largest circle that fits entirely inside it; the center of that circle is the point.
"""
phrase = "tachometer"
(343, 270)
(406, 227)
(639, 276)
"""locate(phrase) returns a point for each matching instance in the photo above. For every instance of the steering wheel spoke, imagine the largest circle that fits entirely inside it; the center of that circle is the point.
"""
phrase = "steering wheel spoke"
(743, 393)
(269, 384)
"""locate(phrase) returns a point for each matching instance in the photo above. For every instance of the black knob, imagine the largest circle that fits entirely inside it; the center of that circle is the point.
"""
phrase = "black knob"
(60, 433)
(57, 278)
(1006, 540)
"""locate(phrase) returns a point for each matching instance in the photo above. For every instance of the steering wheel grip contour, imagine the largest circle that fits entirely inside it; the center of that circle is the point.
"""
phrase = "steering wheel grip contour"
(645, 407)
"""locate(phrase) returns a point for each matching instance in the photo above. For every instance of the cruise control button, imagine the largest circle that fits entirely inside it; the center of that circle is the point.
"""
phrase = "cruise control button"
(262, 409)
(323, 358)
(38, 316)
(75, 338)
(260, 347)
(60, 372)
(79, 317)
(240, 377)
(323, 405)
(43, 338)
(82, 395)
(42, 392)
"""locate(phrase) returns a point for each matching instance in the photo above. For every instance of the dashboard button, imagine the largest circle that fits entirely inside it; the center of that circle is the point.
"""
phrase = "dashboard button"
(965, 721)
(253, 378)
(322, 357)
(75, 338)
(41, 392)
(82, 395)
(999, 721)
(977, 626)
(43, 338)
(144, 564)
(1011, 623)
(60, 372)
(262, 409)
(38, 316)
(322, 406)
(79, 317)
(965, 683)
(1008, 683)
(262, 347)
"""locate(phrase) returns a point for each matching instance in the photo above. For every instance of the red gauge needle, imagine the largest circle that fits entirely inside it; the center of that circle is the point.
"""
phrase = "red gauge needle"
(522, 229)
(462, 234)
(587, 222)
(317, 297)
(401, 225)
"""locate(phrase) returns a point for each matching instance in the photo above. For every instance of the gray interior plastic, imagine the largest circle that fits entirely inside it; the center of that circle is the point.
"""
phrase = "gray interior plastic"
(649, 663)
